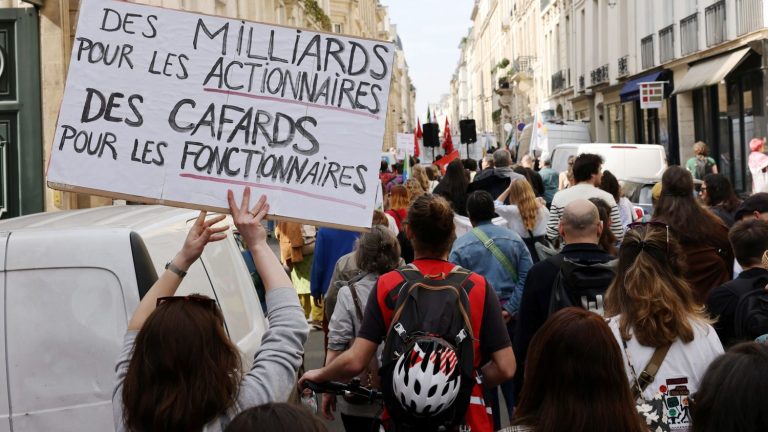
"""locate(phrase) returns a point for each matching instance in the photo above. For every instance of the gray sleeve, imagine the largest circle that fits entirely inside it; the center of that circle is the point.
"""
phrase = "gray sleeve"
(121, 370)
(341, 327)
(273, 372)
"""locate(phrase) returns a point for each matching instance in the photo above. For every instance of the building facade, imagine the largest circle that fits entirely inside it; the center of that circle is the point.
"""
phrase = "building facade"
(585, 59)
(32, 83)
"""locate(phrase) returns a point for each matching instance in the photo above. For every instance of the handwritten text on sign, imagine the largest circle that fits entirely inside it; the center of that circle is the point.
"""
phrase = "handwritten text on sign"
(176, 106)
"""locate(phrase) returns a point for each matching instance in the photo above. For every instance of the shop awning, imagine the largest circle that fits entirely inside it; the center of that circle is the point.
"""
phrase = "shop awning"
(710, 72)
(631, 90)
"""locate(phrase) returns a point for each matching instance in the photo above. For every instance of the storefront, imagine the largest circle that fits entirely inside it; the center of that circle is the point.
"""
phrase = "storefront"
(631, 124)
(728, 111)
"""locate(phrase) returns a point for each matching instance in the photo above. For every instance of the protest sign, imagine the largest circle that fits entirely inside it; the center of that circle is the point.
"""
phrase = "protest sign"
(174, 107)
(404, 145)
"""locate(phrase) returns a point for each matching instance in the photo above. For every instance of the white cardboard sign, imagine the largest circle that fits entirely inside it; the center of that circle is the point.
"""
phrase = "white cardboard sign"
(404, 145)
(175, 107)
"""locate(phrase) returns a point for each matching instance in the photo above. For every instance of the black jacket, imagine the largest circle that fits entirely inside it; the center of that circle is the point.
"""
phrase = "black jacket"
(534, 306)
(722, 301)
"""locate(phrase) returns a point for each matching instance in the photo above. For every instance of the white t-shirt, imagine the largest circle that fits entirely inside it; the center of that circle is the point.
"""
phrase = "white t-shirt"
(681, 371)
(515, 222)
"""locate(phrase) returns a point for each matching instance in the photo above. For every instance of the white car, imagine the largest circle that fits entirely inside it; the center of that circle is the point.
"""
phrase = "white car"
(69, 282)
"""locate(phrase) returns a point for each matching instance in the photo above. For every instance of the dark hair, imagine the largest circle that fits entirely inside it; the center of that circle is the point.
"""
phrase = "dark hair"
(749, 240)
(430, 220)
(732, 393)
(655, 302)
(431, 172)
(585, 166)
(377, 251)
(184, 370)
(560, 395)
(453, 187)
(380, 218)
(480, 206)
(720, 192)
(610, 184)
(470, 164)
(276, 417)
(607, 240)
(384, 167)
(678, 208)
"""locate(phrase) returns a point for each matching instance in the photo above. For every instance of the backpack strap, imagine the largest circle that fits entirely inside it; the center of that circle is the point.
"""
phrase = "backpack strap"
(496, 252)
(648, 375)
(356, 301)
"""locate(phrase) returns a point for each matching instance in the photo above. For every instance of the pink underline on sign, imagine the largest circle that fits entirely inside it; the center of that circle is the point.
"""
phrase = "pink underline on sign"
(272, 187)
(276, 99)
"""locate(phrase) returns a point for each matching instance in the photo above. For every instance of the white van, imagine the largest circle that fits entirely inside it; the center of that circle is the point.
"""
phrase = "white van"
(557, 134)
(69, 282)
(623, 160)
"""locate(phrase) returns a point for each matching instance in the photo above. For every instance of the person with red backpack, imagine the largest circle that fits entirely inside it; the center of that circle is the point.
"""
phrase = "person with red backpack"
(445, 340)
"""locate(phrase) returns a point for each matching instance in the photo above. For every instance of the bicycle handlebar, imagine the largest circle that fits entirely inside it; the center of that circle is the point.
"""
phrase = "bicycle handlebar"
(337, 388)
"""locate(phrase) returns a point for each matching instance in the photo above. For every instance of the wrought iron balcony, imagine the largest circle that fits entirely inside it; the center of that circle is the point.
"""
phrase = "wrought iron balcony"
(560, 80)
(623, 66)
(600, 75)
(582, 85)
(523, 64)
(714, 15)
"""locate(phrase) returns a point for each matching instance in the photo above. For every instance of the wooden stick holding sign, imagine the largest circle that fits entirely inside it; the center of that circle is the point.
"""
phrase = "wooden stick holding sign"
(172, 107)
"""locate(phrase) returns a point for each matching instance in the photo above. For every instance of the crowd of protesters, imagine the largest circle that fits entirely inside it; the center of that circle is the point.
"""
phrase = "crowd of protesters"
(480, 277)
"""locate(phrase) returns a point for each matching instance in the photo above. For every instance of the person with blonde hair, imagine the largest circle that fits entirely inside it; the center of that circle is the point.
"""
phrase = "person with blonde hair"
(526, 215)
(419, 174)
(654, 317)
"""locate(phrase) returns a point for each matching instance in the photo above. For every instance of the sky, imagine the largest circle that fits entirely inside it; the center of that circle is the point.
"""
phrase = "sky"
(430, 32)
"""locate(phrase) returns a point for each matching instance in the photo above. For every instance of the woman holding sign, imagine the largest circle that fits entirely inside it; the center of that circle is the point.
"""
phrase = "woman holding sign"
(178, 369)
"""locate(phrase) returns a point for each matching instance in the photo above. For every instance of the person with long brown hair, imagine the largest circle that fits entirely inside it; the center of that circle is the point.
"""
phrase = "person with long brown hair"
(453, 187)
(525, 215)
(701, 234)
(718, 195)
(575, 380)
(178, 369)
(653, 315)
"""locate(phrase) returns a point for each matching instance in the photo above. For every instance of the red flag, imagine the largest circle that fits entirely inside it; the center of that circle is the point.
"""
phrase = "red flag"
(415, 143)
(419, 133)
(447, 141)
(445, 160)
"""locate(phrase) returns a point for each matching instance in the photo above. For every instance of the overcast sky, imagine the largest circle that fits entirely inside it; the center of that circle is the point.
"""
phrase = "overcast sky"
(431, 31)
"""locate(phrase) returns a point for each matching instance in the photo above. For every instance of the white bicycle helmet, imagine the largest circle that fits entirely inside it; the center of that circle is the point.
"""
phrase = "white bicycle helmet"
(426, 379)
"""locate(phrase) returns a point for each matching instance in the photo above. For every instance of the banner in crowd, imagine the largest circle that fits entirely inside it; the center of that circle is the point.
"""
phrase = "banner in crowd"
(173, 107)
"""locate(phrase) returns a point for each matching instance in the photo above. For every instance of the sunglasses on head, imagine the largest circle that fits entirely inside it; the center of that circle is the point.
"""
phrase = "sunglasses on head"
(191, 298)
(655, 224)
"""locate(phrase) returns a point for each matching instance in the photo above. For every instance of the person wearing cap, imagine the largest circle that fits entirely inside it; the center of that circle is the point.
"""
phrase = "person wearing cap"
(758, 165)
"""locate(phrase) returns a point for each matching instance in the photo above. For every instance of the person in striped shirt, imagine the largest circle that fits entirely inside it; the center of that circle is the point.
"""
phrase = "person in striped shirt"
(587, 172)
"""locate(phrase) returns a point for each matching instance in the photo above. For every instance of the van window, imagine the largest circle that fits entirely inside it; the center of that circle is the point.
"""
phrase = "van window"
(65, 328)
(560, 158)
(235, 291)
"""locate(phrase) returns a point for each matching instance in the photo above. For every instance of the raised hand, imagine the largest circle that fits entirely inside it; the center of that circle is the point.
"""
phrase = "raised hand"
(248, 221)
(201, 233)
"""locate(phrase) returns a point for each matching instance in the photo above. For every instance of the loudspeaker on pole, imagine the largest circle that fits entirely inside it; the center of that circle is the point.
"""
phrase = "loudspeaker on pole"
(468, 131)
(431, 134)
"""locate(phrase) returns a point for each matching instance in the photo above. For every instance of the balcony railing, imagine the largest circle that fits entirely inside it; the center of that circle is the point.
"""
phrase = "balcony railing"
(581, 83)
(714, 16)
(523, 64)
(689, 34)
(560, 80)
(749, 16)
(646, 52)
(599, 75)
(623, 66)
(667, 44)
